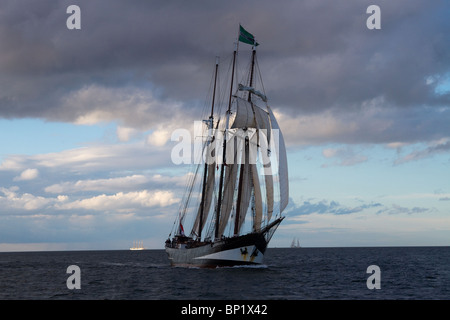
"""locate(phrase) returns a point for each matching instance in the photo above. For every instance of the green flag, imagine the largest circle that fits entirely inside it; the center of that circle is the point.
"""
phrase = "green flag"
(246, 37)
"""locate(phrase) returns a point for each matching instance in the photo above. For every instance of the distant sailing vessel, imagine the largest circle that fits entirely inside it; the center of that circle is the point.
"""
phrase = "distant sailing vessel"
(241, 187)
(137, 245)
(295, 243)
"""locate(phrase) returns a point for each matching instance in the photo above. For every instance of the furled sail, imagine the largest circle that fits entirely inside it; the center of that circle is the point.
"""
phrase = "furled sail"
(252, 90)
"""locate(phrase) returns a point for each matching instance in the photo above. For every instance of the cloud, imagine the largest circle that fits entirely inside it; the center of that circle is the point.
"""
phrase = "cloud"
(376, 123)
(323, 69)
(121, 201)
(344, 156)
(296, 211)
(118, 202)
(145, 66)
(159, 137)
(115, 184)
(435, 147)
(397, 209)
(12, 200)
(124, 134)
(94, 158)
(134, 107)
(104, 185)
(28, 174)
(325, 206)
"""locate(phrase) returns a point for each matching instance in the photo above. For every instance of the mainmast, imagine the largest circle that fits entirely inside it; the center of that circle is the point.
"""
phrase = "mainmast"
(210, 123)
(239, 208)
(249, 99)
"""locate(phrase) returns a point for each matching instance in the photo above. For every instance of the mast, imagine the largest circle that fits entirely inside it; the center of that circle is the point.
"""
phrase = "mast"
(222, 166)
(242, 171)
(210, 125)
(242, 174)
(249, 99)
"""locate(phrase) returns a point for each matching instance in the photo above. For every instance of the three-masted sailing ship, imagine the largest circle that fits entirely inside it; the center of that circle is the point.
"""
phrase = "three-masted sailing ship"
(242, 181)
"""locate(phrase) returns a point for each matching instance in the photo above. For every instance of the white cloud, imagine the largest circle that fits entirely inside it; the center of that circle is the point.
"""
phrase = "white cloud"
(93, 158)
(124, 134)
(12, 162)
(102, 185)
(118, 202)
(123, 201)
(159, 137)
(115, 184)
(28, 174)
(162, 134)
(344, 156)
(26, 201)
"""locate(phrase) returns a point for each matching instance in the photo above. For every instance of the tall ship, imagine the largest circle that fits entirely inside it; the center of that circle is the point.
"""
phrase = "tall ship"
(295, 243)
(236, 194)
(137, 246)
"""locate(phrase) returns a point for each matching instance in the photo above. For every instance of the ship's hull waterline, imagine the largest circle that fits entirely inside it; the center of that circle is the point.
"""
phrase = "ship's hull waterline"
(247, 249)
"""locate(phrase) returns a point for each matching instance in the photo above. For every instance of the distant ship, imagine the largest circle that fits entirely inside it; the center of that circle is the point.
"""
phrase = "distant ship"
(236, 196)
(295, 243)
(137, 245)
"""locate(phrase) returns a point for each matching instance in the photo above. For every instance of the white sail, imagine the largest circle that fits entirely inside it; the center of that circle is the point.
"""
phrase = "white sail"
(282, 163)
(245, 188)
(267, 170)
(209, 189)
(258, 198)
(249, 115)
(230, 185)
(269, 195)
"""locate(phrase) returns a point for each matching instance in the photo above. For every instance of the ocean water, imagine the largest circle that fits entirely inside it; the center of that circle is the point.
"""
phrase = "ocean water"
(288, 274)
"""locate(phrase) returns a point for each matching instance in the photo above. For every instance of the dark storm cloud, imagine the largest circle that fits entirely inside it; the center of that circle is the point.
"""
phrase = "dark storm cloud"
(315, 56)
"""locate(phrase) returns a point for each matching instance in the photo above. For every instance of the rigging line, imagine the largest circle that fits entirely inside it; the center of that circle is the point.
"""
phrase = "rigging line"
(188, 194)
(260, 76)
(221, 94)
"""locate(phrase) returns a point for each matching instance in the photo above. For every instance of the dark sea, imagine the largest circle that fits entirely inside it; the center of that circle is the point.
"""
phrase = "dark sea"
(288, 274)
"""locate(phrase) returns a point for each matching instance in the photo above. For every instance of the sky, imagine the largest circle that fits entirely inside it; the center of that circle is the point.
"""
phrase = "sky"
(86, 117)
